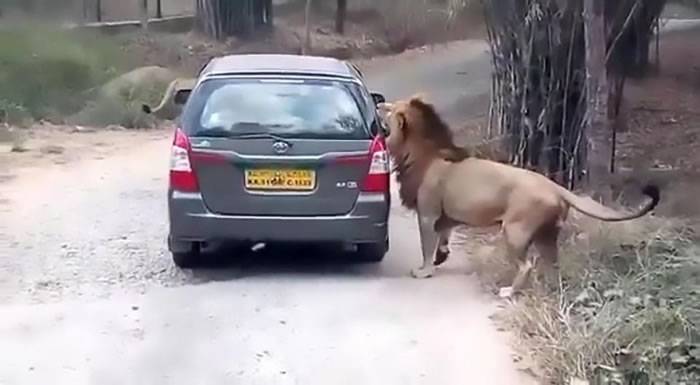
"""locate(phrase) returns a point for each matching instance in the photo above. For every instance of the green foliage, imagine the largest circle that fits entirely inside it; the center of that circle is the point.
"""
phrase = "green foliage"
(637, 301)
(47, 72)
(625, 311)
(33, 6)
(13, 113)
(122, 108)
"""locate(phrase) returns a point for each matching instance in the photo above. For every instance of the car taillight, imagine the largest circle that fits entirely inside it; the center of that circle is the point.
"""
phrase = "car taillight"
(182, 177)
(377, 179)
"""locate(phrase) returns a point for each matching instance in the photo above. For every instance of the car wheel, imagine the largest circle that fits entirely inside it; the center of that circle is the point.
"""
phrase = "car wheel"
(372, 252)
(186, 260)
(185, 254)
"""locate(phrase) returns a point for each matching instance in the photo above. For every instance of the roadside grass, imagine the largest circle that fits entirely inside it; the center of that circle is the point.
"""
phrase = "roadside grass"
(122, 106)
(48, 73)
(124, 111)
(625, 310)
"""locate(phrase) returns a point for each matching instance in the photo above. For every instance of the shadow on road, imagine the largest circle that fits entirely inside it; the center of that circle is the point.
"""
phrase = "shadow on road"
(230, 262)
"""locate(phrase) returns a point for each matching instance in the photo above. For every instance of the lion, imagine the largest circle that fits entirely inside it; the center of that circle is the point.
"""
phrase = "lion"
(448, 186)
(169, 107)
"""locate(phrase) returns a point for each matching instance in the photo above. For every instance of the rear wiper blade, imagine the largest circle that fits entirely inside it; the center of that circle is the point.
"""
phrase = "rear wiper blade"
(216, 132)
(260, 135)
(220, 132)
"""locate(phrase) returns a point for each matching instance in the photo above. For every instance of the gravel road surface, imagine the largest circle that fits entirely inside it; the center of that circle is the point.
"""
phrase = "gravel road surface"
(89, 295)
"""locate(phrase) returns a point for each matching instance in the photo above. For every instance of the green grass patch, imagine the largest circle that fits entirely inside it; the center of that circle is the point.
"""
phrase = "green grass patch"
(625, 310)
(48, 73)
(122, 108)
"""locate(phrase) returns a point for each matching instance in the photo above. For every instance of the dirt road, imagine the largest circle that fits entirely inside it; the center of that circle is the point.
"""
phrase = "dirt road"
(88, 294)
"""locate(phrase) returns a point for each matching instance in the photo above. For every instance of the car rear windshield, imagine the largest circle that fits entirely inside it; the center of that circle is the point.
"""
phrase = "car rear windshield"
(291, 108)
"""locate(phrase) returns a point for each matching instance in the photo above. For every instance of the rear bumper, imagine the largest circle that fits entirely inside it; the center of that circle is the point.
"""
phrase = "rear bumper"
(191, 221)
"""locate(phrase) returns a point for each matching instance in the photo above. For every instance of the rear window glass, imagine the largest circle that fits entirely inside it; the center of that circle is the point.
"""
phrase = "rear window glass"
(324, 109)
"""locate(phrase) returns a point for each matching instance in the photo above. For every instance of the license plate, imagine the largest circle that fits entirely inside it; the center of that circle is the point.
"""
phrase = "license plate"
(293, 180)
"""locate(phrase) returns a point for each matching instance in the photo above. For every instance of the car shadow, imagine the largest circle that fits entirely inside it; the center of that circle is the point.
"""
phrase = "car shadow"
(230, 262)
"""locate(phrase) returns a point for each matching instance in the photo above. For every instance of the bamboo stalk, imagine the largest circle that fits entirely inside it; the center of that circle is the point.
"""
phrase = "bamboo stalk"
(306, 46)
(596, 123)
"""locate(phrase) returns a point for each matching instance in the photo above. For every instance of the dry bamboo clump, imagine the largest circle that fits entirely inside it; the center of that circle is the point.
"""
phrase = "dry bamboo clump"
(539, 101)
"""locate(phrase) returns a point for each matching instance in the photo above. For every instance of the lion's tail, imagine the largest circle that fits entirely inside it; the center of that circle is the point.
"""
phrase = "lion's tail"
(169, 92)
(596, 210)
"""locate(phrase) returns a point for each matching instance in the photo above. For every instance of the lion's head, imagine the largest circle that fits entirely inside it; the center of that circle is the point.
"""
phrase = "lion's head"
(417, 135)
(416, 130)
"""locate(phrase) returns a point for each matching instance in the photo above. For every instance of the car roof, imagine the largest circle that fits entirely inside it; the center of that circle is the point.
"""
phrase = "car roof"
(284, 64)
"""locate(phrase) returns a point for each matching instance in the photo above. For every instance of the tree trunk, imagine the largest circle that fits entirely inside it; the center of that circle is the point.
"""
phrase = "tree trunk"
(306, 46)
(631, 24)
(340, 13)
(258, 13)
(596, 123)
(98, 10)
(221, 18)
(144, 15)
(269, 13)
(207, 18)
(85, 12)
(641, 57)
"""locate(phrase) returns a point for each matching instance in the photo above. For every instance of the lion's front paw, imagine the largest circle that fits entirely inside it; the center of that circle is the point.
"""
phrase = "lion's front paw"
(422, 273)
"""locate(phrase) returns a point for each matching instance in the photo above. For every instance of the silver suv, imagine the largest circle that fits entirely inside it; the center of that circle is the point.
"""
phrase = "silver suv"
(279, 148)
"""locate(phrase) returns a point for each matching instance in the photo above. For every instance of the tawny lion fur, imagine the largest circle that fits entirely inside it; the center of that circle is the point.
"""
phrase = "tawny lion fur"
(448, 186)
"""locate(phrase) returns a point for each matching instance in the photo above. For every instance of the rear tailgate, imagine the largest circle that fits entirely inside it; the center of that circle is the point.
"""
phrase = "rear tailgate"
(247, 177)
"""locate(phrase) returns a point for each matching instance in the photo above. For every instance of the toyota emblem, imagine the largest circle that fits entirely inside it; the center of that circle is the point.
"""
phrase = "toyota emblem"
(280, 147)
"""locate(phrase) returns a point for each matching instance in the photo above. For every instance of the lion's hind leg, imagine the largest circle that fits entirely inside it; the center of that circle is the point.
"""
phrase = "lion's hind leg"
(518, 239)
(540, 227)
(545, 242)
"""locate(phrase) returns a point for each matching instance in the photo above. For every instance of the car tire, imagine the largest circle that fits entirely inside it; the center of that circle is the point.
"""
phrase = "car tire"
(186, 260)
(372, 252)
(186, 255)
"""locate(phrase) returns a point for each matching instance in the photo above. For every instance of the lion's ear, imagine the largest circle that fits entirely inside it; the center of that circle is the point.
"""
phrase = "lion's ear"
(419, 97)
(401, 121)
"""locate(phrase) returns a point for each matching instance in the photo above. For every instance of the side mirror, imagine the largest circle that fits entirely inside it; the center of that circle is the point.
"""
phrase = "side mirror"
(378, 98)
(181, 96)
(384, 128)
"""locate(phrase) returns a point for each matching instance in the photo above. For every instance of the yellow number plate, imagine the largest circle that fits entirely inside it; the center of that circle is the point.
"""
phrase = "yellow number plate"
(295, 180)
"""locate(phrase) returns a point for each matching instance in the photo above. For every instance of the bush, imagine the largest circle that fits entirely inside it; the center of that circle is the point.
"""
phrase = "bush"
(625, 311)
(122, 109)
(14, 114)
(111, 111)
(43, 8)
(49, 72)
(119, 102)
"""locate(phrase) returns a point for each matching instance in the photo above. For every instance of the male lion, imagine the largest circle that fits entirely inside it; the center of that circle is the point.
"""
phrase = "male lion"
(447, 186)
